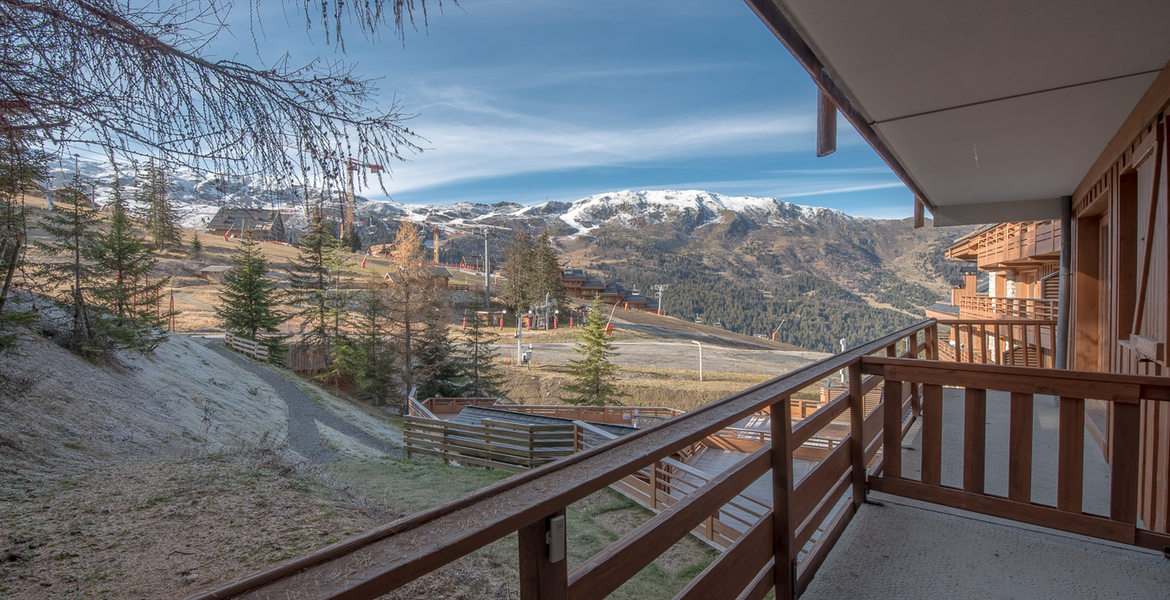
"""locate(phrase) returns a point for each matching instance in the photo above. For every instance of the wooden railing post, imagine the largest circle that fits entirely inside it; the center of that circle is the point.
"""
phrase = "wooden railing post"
(892, 430)
(544, 570)
(1070, 476)
(654, 485)
(782, 485)
(1125, 428)
(856, 434)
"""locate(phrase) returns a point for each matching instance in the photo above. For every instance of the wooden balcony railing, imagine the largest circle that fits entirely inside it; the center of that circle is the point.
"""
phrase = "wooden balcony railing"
(1015, 342)
(986, 307)
(1007, 242)
(792, 532)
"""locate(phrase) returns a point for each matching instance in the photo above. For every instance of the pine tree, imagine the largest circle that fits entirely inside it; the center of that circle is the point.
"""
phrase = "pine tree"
(367, 356)
(122, 288)
(314, 283)
(594, 374)
(196, 244)
(20, 165)
(155, 200)
(441, 369)
(249, 300)
(72, 225)
(518, 259)
(544, 279)
(483, 380)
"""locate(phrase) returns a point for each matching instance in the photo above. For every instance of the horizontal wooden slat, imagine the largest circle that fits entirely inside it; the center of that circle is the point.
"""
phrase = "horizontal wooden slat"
(814, 560)
(730, 574)
(997, 506)
(819, 481)
(762, 584)
(810, 524)
(471, 460)
(1012, 379)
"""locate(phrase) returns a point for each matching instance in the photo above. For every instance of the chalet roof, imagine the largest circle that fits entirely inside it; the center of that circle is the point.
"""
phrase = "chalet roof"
(227, 218)
(987, 112)
(592, 283)
(574, 275)
(217, 269)
(440, 272)
(474, 415)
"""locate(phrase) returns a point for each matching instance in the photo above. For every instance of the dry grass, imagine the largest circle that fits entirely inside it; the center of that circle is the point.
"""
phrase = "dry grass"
(645, 387)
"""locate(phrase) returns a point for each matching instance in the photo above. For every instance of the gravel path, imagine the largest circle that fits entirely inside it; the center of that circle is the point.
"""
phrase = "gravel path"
(304, 414)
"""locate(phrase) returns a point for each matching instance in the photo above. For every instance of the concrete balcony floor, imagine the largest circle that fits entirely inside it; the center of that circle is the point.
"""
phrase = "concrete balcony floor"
(910, 549)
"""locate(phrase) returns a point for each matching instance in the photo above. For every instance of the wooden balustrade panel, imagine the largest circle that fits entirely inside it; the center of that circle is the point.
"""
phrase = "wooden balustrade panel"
(932, 434)
(1125, 431)
(1070, 476)
(732, 573)
(1020, 447)
(974, 439)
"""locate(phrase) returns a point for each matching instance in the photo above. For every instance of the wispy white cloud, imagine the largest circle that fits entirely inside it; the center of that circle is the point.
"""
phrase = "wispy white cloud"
(460, 153)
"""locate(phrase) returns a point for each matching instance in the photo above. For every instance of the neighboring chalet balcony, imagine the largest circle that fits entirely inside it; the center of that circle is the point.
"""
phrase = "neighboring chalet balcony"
(989, 488)
(985, 307)
(1010, 244)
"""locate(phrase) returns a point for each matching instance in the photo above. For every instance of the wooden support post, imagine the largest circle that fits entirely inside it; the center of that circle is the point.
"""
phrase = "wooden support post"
(654, 485)
(932, 341)
(782, 486)
(1020, 448)
(974, 440)
(1125, 431)
(932, 434)
(826, 125)
(1071, 455)
(542, 578)
(856, 434)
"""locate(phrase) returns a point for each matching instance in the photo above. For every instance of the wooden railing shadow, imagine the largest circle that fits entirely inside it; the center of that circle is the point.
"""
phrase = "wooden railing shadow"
(790, 539)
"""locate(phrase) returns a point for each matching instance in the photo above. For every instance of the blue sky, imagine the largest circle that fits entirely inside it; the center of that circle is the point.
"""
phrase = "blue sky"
(525, 101)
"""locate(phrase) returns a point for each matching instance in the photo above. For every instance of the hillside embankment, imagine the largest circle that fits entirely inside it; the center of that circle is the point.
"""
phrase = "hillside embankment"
(158, 475)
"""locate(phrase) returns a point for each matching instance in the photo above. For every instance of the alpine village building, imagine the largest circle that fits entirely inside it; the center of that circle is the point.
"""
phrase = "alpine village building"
(1027, 115)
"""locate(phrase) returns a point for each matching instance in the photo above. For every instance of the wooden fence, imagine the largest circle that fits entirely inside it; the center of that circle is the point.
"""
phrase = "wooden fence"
(789, 541)
(256, 350)
(497, 444)
(1014, 342)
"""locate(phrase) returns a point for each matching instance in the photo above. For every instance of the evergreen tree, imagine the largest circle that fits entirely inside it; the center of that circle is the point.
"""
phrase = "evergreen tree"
(594, 374)
(441, 369)
(544, 278)
(249, 300)
(196, 244)
(73, 226)
(122, 289)
(315, 284)
(518, 260)
(350, 238)
(20, 165)
(367, 356)
(483, 380)
(156, 201)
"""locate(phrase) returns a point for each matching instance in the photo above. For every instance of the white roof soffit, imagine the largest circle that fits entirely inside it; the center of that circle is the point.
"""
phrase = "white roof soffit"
(991, 111)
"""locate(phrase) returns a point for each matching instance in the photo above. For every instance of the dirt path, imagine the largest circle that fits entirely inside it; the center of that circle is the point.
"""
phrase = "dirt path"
(305, 416)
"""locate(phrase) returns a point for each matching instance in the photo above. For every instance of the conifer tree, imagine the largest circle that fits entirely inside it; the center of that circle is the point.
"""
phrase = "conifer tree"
(156, 202)
(314, 276)
(518, 259)
(73, 226)
(249, 299)
(368, 356)
(20, 165)
(413, 295)
(441, 369)
(196, 244)
(123, 289)
(594, 374)
(544, 279)
(483, 380)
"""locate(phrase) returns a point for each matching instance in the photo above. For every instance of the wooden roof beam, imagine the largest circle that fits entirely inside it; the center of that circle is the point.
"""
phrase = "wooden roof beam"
(770, 12)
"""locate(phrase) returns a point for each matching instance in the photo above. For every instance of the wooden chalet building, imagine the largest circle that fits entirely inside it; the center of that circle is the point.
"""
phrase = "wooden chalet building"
(265, 225)
(1014, 112)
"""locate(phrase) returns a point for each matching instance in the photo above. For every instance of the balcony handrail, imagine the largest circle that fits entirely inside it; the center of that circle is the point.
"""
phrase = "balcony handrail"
(392, 555)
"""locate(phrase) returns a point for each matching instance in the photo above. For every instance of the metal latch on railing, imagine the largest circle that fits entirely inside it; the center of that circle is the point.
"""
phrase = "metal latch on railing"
(555, 536)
